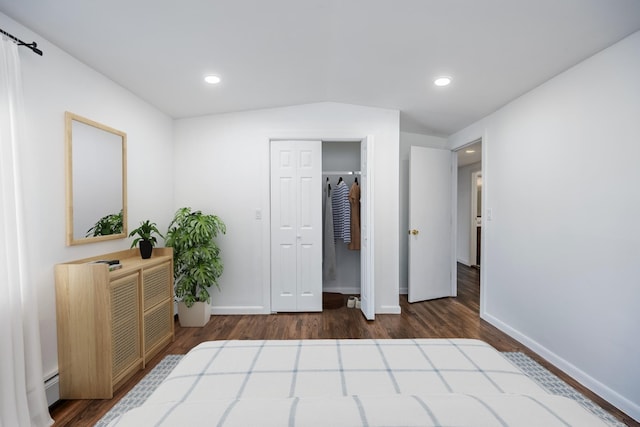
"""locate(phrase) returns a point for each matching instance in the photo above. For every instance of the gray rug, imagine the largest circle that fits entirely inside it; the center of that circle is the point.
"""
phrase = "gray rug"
(139, 393)
(555, 385)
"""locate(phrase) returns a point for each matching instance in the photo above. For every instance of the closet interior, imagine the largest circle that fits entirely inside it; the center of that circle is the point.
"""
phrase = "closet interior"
(340, 218)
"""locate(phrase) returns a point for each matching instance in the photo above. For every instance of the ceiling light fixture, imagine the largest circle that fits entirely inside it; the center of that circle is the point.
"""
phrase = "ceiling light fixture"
(442, 81)
(214, 80)
(470, 151)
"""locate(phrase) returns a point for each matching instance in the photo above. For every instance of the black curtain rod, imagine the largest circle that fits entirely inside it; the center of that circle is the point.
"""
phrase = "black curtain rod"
(33, 45)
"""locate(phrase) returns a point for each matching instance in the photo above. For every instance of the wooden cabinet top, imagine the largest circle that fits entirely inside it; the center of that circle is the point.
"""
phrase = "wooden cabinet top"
(130, 260)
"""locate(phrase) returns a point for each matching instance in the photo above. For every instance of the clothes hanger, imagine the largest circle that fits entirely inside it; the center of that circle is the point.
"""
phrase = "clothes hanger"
(339, 180)
(356, 180)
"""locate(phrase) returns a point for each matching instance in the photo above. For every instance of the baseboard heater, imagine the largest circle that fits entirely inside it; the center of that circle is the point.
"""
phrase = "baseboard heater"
(52, 389)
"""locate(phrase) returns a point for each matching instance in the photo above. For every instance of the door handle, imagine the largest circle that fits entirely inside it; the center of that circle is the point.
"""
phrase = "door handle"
(414, 232)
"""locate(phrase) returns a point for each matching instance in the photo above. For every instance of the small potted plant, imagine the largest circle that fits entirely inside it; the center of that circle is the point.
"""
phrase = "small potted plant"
(196, 261)
(145, 238)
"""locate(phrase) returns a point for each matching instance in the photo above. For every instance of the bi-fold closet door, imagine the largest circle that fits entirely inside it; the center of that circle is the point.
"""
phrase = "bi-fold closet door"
(296, 226)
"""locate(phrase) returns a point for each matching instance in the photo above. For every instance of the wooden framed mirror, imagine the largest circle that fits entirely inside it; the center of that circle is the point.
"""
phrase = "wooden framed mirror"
(96, 181)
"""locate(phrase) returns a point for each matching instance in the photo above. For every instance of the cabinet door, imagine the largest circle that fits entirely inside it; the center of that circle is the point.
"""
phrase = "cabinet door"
(125, 324)
(158, 328)
(157, 284)
(157, 288)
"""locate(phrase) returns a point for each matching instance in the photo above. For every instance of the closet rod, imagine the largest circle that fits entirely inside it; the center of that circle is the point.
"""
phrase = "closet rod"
(341, 172)
(33, 45)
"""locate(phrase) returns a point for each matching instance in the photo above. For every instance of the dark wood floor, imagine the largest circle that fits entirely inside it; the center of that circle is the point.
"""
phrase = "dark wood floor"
(442, 318)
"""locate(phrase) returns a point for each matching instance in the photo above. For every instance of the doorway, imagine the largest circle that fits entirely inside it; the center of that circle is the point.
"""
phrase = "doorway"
(475, 235)
(298, 178)
(469, 204)
(341, 254)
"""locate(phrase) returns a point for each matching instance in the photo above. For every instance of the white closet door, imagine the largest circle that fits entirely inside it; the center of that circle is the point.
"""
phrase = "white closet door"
(296, 226)
(366, 234)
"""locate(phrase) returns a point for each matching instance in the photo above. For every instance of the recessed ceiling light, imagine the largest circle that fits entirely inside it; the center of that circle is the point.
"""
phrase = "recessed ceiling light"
(470, 151)
(442, 81)
(214, 80)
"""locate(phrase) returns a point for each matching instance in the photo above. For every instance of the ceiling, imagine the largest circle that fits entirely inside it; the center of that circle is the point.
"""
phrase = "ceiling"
(378, 53)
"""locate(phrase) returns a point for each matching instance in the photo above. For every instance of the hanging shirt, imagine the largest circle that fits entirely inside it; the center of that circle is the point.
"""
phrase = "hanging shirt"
(354, 203)
(328, 242)
(341, 212)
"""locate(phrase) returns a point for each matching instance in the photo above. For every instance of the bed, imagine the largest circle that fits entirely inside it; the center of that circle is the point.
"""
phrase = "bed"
(393, 382)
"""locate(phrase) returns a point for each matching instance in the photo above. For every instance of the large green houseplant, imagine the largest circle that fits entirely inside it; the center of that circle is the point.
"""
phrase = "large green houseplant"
(196, 261)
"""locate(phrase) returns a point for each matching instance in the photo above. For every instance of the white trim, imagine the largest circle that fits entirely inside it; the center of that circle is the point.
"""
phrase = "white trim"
(625, 405)
(324, 136)
(453, 224)
(464, 261)
(484, 286)
(388, 309)
(473, 228)
(239, 309)
(367, 256)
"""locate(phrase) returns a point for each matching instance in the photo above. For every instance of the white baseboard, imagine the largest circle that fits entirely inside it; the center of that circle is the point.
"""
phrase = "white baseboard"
(52, 390)
(389, 309)
(232, 310)
(625, 405)
(464, 261)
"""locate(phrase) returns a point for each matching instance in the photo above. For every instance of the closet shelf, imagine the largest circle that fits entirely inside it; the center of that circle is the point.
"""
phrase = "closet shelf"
(341, 172)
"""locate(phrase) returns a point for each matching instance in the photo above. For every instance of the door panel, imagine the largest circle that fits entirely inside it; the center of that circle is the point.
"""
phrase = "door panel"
(430, 222)
(296, 227)
(367, 302)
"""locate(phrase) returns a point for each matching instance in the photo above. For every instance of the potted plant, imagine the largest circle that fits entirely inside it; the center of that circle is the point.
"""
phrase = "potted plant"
(145, 238)
(196, 261)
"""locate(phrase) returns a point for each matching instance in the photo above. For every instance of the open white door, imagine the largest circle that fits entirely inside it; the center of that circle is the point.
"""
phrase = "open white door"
(366, 230)
(296, 226)
(430, 224)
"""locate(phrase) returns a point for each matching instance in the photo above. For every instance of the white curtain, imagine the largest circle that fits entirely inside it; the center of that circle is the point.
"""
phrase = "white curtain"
(22, 397)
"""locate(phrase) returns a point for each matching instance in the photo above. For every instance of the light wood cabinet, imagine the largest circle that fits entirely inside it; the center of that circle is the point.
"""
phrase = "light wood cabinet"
(110, 323)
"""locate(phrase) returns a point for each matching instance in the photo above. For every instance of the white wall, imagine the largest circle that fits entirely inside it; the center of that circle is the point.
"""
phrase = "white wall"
(222, 167)
(53, 84)
(464, 212)
(561, 257)
(408, 139)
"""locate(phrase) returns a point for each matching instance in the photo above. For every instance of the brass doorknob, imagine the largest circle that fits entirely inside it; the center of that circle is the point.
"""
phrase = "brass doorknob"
(414, 232)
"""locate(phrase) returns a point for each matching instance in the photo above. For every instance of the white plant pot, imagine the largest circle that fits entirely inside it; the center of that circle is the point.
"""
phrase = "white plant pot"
(197, 315)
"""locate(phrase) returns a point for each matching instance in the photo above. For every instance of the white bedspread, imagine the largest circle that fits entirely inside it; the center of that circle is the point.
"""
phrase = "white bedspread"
(421, 382)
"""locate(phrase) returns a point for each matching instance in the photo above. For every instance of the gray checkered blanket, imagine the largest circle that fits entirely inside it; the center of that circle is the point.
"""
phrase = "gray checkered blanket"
(422, 382)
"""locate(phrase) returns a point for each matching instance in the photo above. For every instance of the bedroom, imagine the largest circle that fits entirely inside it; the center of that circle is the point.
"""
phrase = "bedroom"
(578, 239)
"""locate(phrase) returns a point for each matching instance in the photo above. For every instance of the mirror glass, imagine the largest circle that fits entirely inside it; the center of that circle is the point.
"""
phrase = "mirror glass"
(96, 181)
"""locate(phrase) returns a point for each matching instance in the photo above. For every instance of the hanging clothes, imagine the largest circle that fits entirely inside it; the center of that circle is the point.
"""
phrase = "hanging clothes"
(354, 203)
(328, 242)
(341, 212)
